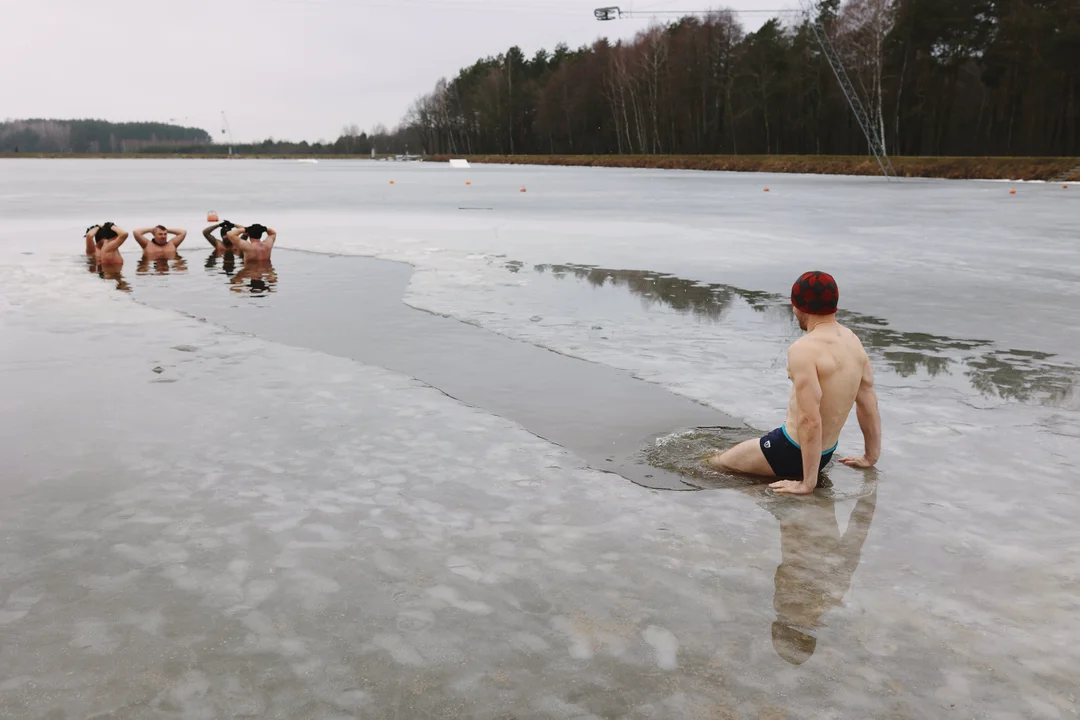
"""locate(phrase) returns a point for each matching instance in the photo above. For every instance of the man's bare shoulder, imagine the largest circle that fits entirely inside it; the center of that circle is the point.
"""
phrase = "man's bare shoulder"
(854, 340)
(804, 346)
(803, 354)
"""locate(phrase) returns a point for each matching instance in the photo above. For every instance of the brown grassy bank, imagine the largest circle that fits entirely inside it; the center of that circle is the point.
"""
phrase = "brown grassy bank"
(959, 168)
(181, 156)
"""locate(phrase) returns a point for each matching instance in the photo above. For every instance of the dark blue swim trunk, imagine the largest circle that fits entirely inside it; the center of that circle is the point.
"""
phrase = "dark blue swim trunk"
(785, 455)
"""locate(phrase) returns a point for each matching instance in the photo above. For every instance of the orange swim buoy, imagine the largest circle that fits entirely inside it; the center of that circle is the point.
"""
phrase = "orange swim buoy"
(468, 182)
(1012, 192)
(522, 189)
(391, 182)
(767, 190)
(211, 216)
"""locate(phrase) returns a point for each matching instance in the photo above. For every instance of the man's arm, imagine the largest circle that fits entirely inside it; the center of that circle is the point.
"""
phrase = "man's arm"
(803, 367)
(210, 238)
(866, 409)
(91, 246)
(140, 236)
(178, 236)
(271, 236)
(116, 242)
(234, 237)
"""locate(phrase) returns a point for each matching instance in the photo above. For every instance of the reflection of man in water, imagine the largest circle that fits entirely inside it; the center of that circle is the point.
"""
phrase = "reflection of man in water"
(815, 570)
(830, 372)
(109, 272)
(259, 278)
(228, 262)
(162, 266)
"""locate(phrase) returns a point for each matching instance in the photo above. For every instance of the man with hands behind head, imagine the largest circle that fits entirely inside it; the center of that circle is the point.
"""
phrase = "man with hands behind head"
(161, 243)
(257, 244)
(103, 243)
(224, 245)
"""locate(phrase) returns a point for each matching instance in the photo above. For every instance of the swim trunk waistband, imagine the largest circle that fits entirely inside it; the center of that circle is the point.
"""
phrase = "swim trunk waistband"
(830, 451)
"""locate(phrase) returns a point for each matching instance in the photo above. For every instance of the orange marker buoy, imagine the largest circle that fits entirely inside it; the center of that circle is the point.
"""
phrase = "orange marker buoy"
(1064, 187)
(1012, 192)
(391, 182)
(211, 216)
(522, 189)
(468, 182)
(766, 189)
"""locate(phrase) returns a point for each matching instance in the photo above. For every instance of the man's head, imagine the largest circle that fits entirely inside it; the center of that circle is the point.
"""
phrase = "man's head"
(226, 228)
(104, 232)
(814, 293)
(256, 231)
(161, 235)
(793, 645)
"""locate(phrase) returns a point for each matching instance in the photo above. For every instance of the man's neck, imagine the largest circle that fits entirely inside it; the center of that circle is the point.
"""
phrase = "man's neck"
(159, 244)
(817, 321)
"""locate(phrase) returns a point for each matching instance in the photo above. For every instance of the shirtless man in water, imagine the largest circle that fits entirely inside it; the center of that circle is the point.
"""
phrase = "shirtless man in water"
(224, 245)
(103, 243)
(829, 373)
(159, 244)
(255, 249)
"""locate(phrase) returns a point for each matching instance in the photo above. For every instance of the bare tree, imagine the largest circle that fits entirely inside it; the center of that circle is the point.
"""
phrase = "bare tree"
(861, 30)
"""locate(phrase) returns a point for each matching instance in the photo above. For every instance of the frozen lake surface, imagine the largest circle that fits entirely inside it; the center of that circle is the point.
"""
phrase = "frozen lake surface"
(355, 488)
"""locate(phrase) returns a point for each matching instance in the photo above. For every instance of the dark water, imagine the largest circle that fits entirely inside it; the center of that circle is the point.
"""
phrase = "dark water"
(352, 307)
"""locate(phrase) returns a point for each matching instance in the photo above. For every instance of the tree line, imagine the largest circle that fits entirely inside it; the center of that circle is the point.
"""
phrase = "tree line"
(93, 136)
(98, 136)
(352, 141)
(938, 77)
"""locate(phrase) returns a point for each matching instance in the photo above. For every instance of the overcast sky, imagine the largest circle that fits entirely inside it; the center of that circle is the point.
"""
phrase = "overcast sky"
(288, 69)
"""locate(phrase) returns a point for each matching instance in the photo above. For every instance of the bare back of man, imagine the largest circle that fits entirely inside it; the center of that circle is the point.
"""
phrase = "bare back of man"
(255, 241)
(103, 244)
(159, 241)
(838, 358)
(830, 373)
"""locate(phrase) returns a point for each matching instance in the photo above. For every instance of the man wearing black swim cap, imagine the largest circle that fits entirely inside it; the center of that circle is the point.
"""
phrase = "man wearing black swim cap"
(257, 244)
(224, 245)
(103, 243)
(830, 373)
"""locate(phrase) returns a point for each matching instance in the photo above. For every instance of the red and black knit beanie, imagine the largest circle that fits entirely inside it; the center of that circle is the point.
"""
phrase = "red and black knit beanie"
(815, 293)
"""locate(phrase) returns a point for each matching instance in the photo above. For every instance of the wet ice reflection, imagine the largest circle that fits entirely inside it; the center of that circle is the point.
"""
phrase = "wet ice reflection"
(1013, 375)
(111, 273)
(816, 569)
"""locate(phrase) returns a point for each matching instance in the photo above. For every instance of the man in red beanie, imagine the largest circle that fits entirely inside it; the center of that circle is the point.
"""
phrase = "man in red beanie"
(829, 373)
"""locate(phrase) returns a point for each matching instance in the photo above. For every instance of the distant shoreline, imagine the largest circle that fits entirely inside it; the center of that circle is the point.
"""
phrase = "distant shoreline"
(958, 168)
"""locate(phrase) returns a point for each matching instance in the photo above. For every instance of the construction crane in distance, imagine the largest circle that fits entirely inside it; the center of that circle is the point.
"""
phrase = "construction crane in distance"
(617, 13)
(226, 130)
(874, 141)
